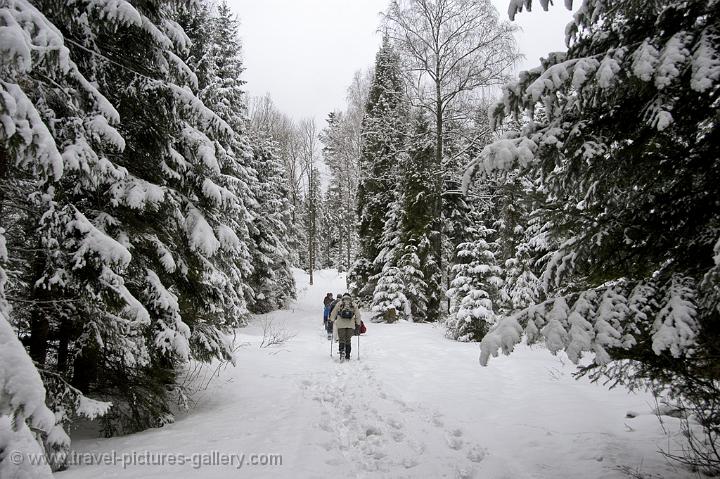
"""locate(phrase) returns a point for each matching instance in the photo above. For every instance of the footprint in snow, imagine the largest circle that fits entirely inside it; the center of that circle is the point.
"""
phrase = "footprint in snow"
(418, 447)
(455, 443)
(410, 462)
(395, 423)
(465, 473)
(437, 421)
(379, 454)
(477, 454)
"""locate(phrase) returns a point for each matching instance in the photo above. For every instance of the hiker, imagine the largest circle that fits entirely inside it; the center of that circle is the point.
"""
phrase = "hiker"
(346, 316)
(331, 325)
(327, 302)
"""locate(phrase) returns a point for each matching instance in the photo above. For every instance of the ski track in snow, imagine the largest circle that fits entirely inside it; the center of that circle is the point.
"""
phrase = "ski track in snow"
(416, 405)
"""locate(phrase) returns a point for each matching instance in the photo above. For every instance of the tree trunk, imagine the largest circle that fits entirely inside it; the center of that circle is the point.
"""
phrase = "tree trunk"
(85, 370)
(348, 244)
(3, 177)
(63, 345)
(350, 226)
(311, 253)
(440, 180)
(39, 322)
(311, 223)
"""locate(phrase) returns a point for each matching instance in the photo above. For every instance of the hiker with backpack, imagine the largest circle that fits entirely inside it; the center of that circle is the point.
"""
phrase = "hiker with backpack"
(346, 316)
(328, 303)
(332, 328)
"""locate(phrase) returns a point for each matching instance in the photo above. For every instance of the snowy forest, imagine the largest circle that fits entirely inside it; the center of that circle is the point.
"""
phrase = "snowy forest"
(151, 209)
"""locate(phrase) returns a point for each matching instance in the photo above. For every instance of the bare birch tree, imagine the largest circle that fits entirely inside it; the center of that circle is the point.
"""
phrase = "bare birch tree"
(452, 51)
(267, 119)
(342, 147)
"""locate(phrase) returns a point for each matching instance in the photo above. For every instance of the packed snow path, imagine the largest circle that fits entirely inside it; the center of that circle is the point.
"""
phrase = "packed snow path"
(415, 405)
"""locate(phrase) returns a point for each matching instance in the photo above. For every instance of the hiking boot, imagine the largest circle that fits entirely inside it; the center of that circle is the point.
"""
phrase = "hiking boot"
(347, 351)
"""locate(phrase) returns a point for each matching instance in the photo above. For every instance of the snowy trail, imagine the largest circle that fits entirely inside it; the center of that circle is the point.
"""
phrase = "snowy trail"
(416, 405)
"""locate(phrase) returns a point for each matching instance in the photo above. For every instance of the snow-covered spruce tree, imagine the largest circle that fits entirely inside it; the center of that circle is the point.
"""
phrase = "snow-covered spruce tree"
(54, 139)
(358, 280)
(461, 212)
(417, 219)
(272, 279)
(135, 269)
(215, 57)
(250, 166)
(413, 278)
(390, 250)
(475, 289)
(406, 240)
(23, 408)
(363, 276)
(521, 285)
(631, 207)
(389, 301)
(383, 139)
(519, 248)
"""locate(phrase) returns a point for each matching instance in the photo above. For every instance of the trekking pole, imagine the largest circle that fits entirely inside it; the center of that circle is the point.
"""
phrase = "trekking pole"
(332, 339)
(359, 333)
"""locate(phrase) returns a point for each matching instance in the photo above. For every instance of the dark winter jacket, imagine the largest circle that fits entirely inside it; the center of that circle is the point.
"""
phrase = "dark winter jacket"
(327, 300)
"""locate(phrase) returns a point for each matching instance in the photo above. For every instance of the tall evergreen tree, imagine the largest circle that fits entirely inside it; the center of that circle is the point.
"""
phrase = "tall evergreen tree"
(69, 278)
(135, 252)
(406, 241)
(413, 277)
(383, 137)
(416, 225)
(272, 281)
(250, 165)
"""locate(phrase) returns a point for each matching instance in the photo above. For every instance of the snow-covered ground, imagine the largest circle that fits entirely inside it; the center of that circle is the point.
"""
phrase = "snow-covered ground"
(415, 405)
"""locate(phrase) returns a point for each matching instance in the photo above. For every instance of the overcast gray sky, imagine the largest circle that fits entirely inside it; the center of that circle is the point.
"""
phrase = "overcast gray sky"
(305, 52)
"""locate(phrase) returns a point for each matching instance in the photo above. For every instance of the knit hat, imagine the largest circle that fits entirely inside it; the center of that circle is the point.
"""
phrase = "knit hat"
(346, 295)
